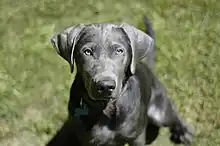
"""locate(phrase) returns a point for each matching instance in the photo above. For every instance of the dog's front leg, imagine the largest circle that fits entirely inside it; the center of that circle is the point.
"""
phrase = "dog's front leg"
(162, 113)
(101, 133)
(140, 141)
(69, 134)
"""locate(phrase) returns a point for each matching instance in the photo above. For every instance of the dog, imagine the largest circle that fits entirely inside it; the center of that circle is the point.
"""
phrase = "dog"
(126, 102)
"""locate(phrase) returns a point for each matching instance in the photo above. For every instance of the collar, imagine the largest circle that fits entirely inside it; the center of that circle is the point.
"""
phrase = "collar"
(83, 110)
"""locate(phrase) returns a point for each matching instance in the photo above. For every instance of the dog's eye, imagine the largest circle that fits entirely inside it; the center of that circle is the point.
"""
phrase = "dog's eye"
(88, 52)
(119, 51)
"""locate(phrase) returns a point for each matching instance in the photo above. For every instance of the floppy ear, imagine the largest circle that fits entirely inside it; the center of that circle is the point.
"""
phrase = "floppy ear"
(64, 43)
(140, 43)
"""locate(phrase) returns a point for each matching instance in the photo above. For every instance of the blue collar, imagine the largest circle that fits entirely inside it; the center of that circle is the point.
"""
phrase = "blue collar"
(83, 110)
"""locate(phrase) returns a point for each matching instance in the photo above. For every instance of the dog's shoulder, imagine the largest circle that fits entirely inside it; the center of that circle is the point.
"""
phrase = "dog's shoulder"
(144, 75)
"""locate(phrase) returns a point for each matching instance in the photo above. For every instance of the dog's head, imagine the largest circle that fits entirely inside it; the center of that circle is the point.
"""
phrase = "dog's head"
(104, 55)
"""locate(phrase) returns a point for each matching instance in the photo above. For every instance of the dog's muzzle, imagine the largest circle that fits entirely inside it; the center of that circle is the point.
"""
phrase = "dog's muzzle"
(105, 86)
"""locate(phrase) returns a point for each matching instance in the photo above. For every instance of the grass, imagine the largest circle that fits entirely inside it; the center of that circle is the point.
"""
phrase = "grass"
(35, 81)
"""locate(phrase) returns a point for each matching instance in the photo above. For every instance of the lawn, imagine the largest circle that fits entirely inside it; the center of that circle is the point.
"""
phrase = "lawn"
(35, 81)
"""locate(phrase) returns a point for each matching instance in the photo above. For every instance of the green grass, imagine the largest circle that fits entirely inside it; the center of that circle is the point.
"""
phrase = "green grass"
(35, 81)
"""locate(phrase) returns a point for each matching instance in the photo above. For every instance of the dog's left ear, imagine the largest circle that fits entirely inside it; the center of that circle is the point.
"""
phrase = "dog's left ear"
(64, 43)
(140, 43)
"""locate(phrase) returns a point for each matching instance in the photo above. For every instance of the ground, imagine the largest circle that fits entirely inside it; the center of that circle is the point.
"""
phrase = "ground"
(35, 81)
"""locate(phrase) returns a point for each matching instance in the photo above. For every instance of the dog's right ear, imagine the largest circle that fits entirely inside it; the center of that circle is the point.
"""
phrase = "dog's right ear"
(64, 43)
(140, 42)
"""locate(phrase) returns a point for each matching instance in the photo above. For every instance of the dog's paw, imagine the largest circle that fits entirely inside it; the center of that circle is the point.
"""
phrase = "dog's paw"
(183, 134)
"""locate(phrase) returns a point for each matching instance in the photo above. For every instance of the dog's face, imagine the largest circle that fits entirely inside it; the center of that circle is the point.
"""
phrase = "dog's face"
(104, 54)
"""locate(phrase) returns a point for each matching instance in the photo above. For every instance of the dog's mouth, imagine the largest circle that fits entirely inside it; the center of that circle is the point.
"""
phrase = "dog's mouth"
(102, 95)
(106, 95)
(103, 88)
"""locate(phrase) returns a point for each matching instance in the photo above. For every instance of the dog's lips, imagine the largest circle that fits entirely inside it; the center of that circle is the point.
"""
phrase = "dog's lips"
(97, 96)
(100, 99)
(106, 97)
(103, 97)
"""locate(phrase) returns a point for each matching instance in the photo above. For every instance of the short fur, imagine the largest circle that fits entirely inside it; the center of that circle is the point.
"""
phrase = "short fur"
(135, 108)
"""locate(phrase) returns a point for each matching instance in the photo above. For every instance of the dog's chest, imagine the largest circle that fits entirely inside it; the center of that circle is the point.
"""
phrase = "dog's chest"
(127, 129)
(131, 116)
(130, 119)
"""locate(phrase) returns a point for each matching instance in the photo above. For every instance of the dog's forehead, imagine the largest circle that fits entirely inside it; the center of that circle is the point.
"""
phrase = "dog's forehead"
(103, 33)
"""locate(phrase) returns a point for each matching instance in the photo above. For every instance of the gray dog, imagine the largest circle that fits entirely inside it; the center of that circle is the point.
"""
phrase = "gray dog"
(126, 102)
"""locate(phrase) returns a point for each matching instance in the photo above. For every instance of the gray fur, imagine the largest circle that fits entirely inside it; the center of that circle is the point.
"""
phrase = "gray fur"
(131, 104)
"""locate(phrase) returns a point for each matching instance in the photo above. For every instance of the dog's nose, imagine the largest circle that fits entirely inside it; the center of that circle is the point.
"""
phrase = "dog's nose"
(106, 85)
